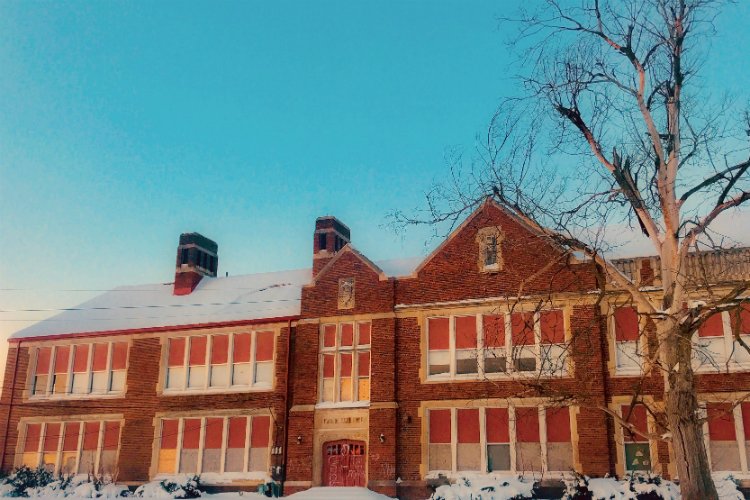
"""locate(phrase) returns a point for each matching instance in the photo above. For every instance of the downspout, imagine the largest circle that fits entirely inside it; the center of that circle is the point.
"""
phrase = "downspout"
(286, 407)
(10, 406)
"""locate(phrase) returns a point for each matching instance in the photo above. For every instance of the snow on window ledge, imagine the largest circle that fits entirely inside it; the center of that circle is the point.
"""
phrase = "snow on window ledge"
(343, 404)
(260, 387)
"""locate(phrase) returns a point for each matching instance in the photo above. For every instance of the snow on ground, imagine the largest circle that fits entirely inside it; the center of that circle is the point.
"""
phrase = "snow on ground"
(485, 487)
(338, 493)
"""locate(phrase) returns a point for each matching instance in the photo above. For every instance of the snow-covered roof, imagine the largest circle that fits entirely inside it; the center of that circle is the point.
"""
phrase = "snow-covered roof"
(215, 300)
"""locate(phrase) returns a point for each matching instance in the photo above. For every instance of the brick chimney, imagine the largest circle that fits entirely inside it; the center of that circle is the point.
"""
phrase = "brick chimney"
(330, 236)
(197, 256)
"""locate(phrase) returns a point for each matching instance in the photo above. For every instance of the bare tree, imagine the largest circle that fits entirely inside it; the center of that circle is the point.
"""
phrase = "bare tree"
(613, 125)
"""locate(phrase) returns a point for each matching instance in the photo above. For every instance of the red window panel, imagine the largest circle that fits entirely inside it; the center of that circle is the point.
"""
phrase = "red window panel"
(61, 359)
(347, 335)
(242, 344)
(746, 420)
(43, 358)
(99, 363)
(119, 355)
(626, 324)
(440, 426)
(191, 434)
(264, 346)
(81, 358)
(111, 435)
(742, 316)
(219, 349)
(466, 332)
(638, 417)
(363, 366)
(364, 334)
(721, 422)
(72, 431)
(33, 436)
(177, 352)
(214, 433)
(497, 423)
(346, 365)
(51, 437)
(494, 330)
(169, 431)
(91, 436)
(468, 425)
(527, 425)
(558, 425)
(237, 432)
(261, 427)
(439, 334)
(198, 351)
(329, 336)
(328, 366)
(522, 327)
(713, 327)
(553, 327)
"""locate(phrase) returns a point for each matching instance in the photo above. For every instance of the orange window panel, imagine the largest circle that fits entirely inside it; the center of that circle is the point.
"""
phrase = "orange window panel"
(347, 335)
(91, 436)
(329, 336)
(177, 352)
(43, 358)
(527, 425)
(439, 334)
(639, 418)
(61, 359)
(440, 426)
(81, 358)
(494, 330)
(198, 351)
(33, 436)
(261, 427)
(219, 349)
(99, 363)
(363, 366)
(242, 344)
(626, 324)
(721, 422)
(111, 435)
(364, 334)
(191, 434)
(51, 437)
(468, 425)
(169, 431)
(466, 332)
(498, 425)
(553, 327)
(712, 327)
(237, 432)
(214, 433)
(558, 425)
(119, 355)
(72, 431)
(264, 346)
(522, 328)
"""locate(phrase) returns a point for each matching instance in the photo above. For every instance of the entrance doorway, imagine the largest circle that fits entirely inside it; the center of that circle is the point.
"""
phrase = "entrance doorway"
(344, 463)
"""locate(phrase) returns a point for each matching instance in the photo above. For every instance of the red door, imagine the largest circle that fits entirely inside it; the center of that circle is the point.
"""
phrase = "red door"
(344, 463)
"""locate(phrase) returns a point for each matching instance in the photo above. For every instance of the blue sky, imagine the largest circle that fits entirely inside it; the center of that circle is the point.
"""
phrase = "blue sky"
(124, 124)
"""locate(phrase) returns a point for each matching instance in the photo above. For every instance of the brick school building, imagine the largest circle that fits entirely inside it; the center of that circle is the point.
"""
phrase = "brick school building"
(496, 353)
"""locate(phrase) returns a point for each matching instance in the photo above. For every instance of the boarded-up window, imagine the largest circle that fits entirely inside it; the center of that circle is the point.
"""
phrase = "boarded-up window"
(329, 336)
(347, 335)
(468, 455)
(626, 324)
(527, 425)
(712, 327)
(31, 446)
(440, 440)
(259, 440)
(363, 369)
(497, 427)
(197, 367)
(364, 334)
(741, 319)
(553, 327)
(60, 382)
(235, 460)
(439, 346)
(559, 445)
(168, 448)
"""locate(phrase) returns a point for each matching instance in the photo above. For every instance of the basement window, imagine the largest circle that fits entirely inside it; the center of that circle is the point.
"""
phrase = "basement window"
(72, 447)
(80, 370)
(236, 361)
(512, 439)
(214, 444)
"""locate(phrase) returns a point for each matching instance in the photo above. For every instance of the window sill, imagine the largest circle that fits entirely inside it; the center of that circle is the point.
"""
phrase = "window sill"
(441, 379)
(217, 390)
(218, 478)
(343, 404)
(76, 397)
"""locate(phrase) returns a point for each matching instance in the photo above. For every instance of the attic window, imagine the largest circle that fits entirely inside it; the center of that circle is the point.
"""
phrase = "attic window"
(490, 254)
(489, 241)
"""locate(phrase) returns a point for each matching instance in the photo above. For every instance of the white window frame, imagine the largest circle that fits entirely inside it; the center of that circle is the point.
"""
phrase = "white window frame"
(254, 385)
(739, 434)
(627, 371)
(224, 445)
(355, 350)
(69, 394)
(730, 347)
(483, 439)
(510, 369)
(61, 439)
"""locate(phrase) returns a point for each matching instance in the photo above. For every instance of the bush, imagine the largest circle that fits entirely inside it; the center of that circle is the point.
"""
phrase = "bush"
(578, 489)
(24, 478)
(187, 486)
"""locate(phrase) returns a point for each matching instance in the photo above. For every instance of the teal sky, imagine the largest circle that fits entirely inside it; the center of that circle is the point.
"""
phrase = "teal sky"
(124, 124)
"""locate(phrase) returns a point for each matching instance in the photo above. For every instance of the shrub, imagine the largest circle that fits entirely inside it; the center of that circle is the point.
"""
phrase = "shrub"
(578, 489)
(24, 478)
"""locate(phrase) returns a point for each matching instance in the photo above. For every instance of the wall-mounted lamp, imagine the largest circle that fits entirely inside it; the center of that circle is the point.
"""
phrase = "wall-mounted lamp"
(406, 418)
(382, 438)
(299, 439)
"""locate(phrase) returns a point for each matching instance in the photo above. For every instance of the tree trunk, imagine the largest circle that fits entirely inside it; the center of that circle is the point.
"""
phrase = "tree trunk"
(683, 415)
